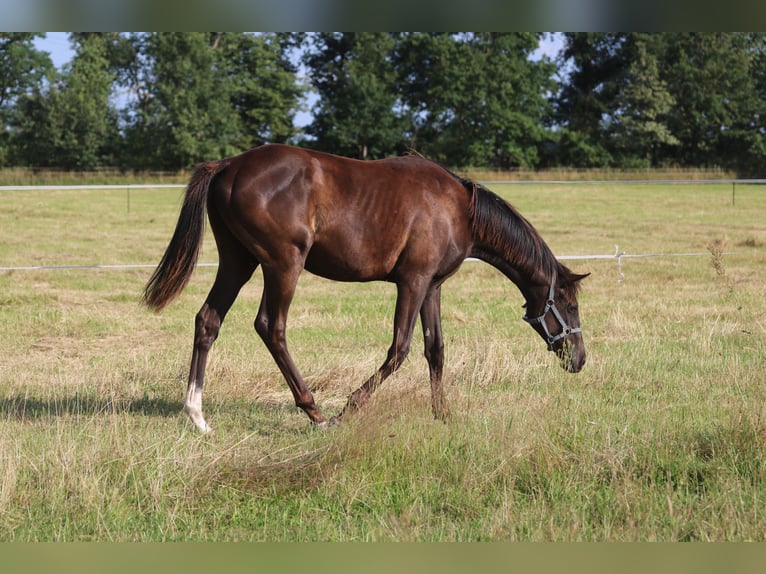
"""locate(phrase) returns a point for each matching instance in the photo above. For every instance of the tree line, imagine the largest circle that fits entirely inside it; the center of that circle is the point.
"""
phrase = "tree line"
(165, 101)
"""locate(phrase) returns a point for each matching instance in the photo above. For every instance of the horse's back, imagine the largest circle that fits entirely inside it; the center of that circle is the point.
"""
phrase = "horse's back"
(356, 220)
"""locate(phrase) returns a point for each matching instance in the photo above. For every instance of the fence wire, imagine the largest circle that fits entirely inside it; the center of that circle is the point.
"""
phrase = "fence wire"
(618, 255)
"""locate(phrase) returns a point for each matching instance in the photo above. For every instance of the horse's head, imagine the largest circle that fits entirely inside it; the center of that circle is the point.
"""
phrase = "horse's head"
(553, 313)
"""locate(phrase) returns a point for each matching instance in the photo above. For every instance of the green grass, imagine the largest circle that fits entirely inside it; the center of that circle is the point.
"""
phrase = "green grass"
(661, 437)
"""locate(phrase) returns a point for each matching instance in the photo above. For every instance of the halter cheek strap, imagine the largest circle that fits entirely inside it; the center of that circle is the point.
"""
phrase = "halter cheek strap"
(550, 305)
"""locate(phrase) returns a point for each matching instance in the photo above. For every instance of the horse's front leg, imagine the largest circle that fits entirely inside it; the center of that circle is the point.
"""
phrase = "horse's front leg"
(430, 317)
(408, 301)
(271, 324)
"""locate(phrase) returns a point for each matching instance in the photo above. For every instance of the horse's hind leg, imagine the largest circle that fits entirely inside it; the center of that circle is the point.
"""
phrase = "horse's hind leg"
(430, 316)
(235, 268)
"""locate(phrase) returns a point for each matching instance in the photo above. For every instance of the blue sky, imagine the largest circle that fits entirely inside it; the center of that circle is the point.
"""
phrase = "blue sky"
(57, 44)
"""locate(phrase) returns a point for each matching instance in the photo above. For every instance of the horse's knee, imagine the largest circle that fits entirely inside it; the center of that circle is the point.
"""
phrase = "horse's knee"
(434, 353)
(272, 336)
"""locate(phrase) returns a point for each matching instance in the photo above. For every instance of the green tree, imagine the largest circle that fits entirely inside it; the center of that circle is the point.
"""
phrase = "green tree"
(265, 91)
(23, 70)
(197, 96)
(71, 123)
(512, 116)
(181, 111)
(475, 99)
(354, 77)
(709, 74)
(637, 128)
(752, 126)
(425, 64)
(594, 63)
(717, 81)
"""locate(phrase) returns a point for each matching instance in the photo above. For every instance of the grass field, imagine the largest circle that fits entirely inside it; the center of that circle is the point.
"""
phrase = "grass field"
(661, 437)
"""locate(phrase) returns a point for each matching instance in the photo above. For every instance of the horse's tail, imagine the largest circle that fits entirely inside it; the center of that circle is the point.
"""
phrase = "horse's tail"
(177, 264)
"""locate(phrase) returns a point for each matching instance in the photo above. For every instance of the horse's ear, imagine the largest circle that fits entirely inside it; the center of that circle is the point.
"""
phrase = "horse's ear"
(574, 280)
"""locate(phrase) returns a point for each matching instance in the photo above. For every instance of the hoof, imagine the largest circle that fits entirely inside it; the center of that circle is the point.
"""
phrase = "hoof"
(199, 422)
(443, 416)
(204, 428)
(322, 425)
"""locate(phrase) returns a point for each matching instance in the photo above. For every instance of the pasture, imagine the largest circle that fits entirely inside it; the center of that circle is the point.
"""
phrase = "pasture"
(661, 437)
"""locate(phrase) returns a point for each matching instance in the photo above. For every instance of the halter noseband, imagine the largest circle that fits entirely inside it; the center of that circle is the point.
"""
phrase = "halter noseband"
(550, 305)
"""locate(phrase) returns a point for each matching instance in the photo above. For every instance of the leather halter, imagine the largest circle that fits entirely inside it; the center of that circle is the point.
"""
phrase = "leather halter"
(550, 305)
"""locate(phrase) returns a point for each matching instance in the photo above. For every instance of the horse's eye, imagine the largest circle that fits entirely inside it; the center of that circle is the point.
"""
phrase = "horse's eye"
(572, 308)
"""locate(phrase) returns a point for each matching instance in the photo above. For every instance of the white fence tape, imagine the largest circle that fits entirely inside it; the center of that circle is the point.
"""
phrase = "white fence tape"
(618, 256)
(83, 187)
(484, 182)
(88, 267)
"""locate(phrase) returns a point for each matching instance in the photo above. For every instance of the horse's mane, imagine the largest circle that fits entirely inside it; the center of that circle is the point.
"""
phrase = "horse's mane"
(498, 225)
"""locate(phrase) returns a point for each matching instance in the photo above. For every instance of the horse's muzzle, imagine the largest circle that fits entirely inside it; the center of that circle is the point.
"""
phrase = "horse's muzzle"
(572, 358)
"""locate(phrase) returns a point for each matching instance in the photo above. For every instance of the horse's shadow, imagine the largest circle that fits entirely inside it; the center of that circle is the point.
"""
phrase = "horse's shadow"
(26, 408)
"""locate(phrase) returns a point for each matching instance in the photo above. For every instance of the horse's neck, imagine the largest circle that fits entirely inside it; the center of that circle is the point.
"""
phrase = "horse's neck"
(520, 277)
(506, 240)
(526, 264)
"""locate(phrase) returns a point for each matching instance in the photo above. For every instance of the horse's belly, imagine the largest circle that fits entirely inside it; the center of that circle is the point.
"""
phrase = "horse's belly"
(348, 262)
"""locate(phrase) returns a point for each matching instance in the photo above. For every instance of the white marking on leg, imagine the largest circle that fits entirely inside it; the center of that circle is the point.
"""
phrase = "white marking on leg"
(193, 408)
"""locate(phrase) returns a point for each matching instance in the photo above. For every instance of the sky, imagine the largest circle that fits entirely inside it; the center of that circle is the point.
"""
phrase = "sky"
(57, 45)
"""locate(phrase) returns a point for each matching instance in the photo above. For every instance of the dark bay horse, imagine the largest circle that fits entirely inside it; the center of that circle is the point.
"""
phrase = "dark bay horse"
(404, 220)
